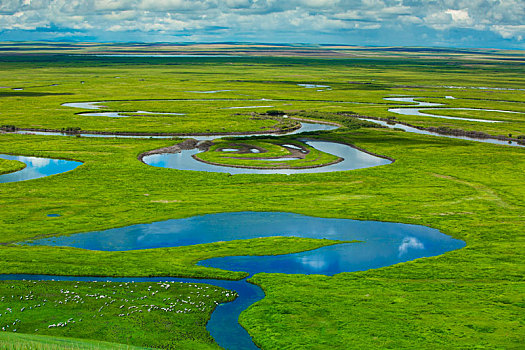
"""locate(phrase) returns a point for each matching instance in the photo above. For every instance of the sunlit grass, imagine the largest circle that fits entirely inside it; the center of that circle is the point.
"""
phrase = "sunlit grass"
(472, 191)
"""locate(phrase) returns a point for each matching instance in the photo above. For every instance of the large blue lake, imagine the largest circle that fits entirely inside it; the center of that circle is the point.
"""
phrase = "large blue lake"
(383, 243)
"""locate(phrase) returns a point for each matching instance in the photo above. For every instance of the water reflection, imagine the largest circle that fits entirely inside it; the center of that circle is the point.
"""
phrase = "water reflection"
(425, 132)
(410, 243)
(416, 110)
(383, 243)
(37, 167)
(352, 159)
(380, 247)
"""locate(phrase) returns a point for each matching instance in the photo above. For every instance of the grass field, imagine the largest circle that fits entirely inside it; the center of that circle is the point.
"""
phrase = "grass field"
(159, 85)
(168, 315)
(15, 341)
(9, 166)
(473, 297)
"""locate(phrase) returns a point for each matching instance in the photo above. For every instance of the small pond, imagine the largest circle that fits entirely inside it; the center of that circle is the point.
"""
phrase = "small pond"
(37, 167)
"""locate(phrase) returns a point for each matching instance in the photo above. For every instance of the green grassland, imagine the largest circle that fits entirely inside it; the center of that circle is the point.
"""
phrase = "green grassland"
(179, 261)
(258, 50)
(21, 341)
(152, 84)
(9, 166)
(471, 191)
(502, 116)
(168, 315)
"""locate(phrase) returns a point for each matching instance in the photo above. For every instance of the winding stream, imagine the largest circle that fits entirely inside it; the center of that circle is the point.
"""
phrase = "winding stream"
(383, 244)
(419, 106)
(119, 115)
(225, 316)
(425, 132)
(305, 127)
(352, 159)
(184, 160)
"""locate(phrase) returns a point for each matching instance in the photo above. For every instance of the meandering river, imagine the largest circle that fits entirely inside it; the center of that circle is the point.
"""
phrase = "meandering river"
(420, 106)
(353, 158)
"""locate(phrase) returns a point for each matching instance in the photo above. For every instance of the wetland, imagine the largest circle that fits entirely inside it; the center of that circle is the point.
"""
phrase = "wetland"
(321, 257)
(375, 244)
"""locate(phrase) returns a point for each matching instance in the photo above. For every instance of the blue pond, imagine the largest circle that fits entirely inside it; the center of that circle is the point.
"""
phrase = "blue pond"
(382, 244)
(37, 167)
(388, 242)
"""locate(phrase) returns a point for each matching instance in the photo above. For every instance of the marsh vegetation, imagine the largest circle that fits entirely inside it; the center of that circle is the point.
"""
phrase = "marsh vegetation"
(469, 190)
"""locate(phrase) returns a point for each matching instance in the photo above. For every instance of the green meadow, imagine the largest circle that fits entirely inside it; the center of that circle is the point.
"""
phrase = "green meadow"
(9, 166)
(146, 314)
(24, 341)
(469, 298)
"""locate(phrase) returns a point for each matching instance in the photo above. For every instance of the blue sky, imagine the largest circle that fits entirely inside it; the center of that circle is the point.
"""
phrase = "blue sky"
(450, 23)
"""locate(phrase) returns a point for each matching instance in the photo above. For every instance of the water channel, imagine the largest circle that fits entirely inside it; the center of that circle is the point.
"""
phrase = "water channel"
(408, 128)
(184, 160)
(419, 106)
(352, 159)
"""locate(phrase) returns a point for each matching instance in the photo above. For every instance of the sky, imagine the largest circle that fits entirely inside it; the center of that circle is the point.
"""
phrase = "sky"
(443, 23)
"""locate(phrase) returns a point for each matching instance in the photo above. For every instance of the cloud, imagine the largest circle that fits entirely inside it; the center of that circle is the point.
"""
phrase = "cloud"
(343, 21)
(175, 5)
(460, 16)
(409, 243)
(239, 4)
(510, 31)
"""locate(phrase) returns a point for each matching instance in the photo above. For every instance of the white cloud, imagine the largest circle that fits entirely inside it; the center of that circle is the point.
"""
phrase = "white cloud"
(410, 243)
(120, 15)
(114, 5)
(410, 19)
(460, 17)
(247, 18)
(320, 3)
(175, 5)
(509, 32)
(237, 4)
